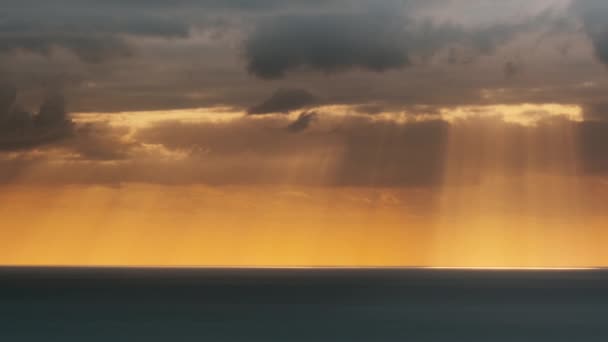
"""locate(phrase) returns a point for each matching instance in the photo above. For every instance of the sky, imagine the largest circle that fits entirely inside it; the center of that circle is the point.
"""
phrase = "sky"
(439, 133)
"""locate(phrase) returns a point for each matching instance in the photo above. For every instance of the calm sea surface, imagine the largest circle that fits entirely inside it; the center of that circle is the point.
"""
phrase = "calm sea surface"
(374, 305)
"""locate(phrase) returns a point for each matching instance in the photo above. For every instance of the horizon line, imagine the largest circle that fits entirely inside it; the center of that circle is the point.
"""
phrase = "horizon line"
(312, 267)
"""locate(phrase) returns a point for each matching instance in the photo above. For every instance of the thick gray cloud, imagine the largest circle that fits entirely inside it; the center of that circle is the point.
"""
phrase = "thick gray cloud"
(594, 14)
(146, 55)
(20, 129)
(94, 32)
(284, 101)
(92, 29)
(327, 43)
(377, 39)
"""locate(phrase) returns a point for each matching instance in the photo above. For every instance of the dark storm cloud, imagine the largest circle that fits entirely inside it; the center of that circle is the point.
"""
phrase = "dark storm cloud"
(303, 122)
(284, 101)
(20, 129)
(327, 43)
(379, 39)
(187, 54)
(95, 31)
(594, 14)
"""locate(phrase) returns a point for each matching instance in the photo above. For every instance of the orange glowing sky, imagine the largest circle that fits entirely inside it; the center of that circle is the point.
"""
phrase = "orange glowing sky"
(200, 226)
(480, 214)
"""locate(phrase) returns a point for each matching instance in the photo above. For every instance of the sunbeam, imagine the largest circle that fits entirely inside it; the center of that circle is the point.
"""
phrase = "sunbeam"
(511, 193)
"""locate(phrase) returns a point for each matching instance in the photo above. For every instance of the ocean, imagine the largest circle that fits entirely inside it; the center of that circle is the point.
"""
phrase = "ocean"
(312, 305)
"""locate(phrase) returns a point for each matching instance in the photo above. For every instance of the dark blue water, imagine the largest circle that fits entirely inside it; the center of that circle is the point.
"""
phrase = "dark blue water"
(56, 304)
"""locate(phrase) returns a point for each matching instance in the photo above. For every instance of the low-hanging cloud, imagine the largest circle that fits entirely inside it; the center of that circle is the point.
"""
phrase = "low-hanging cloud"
(20, 129)
(303, 121)
(283, 101)
(350, 151)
